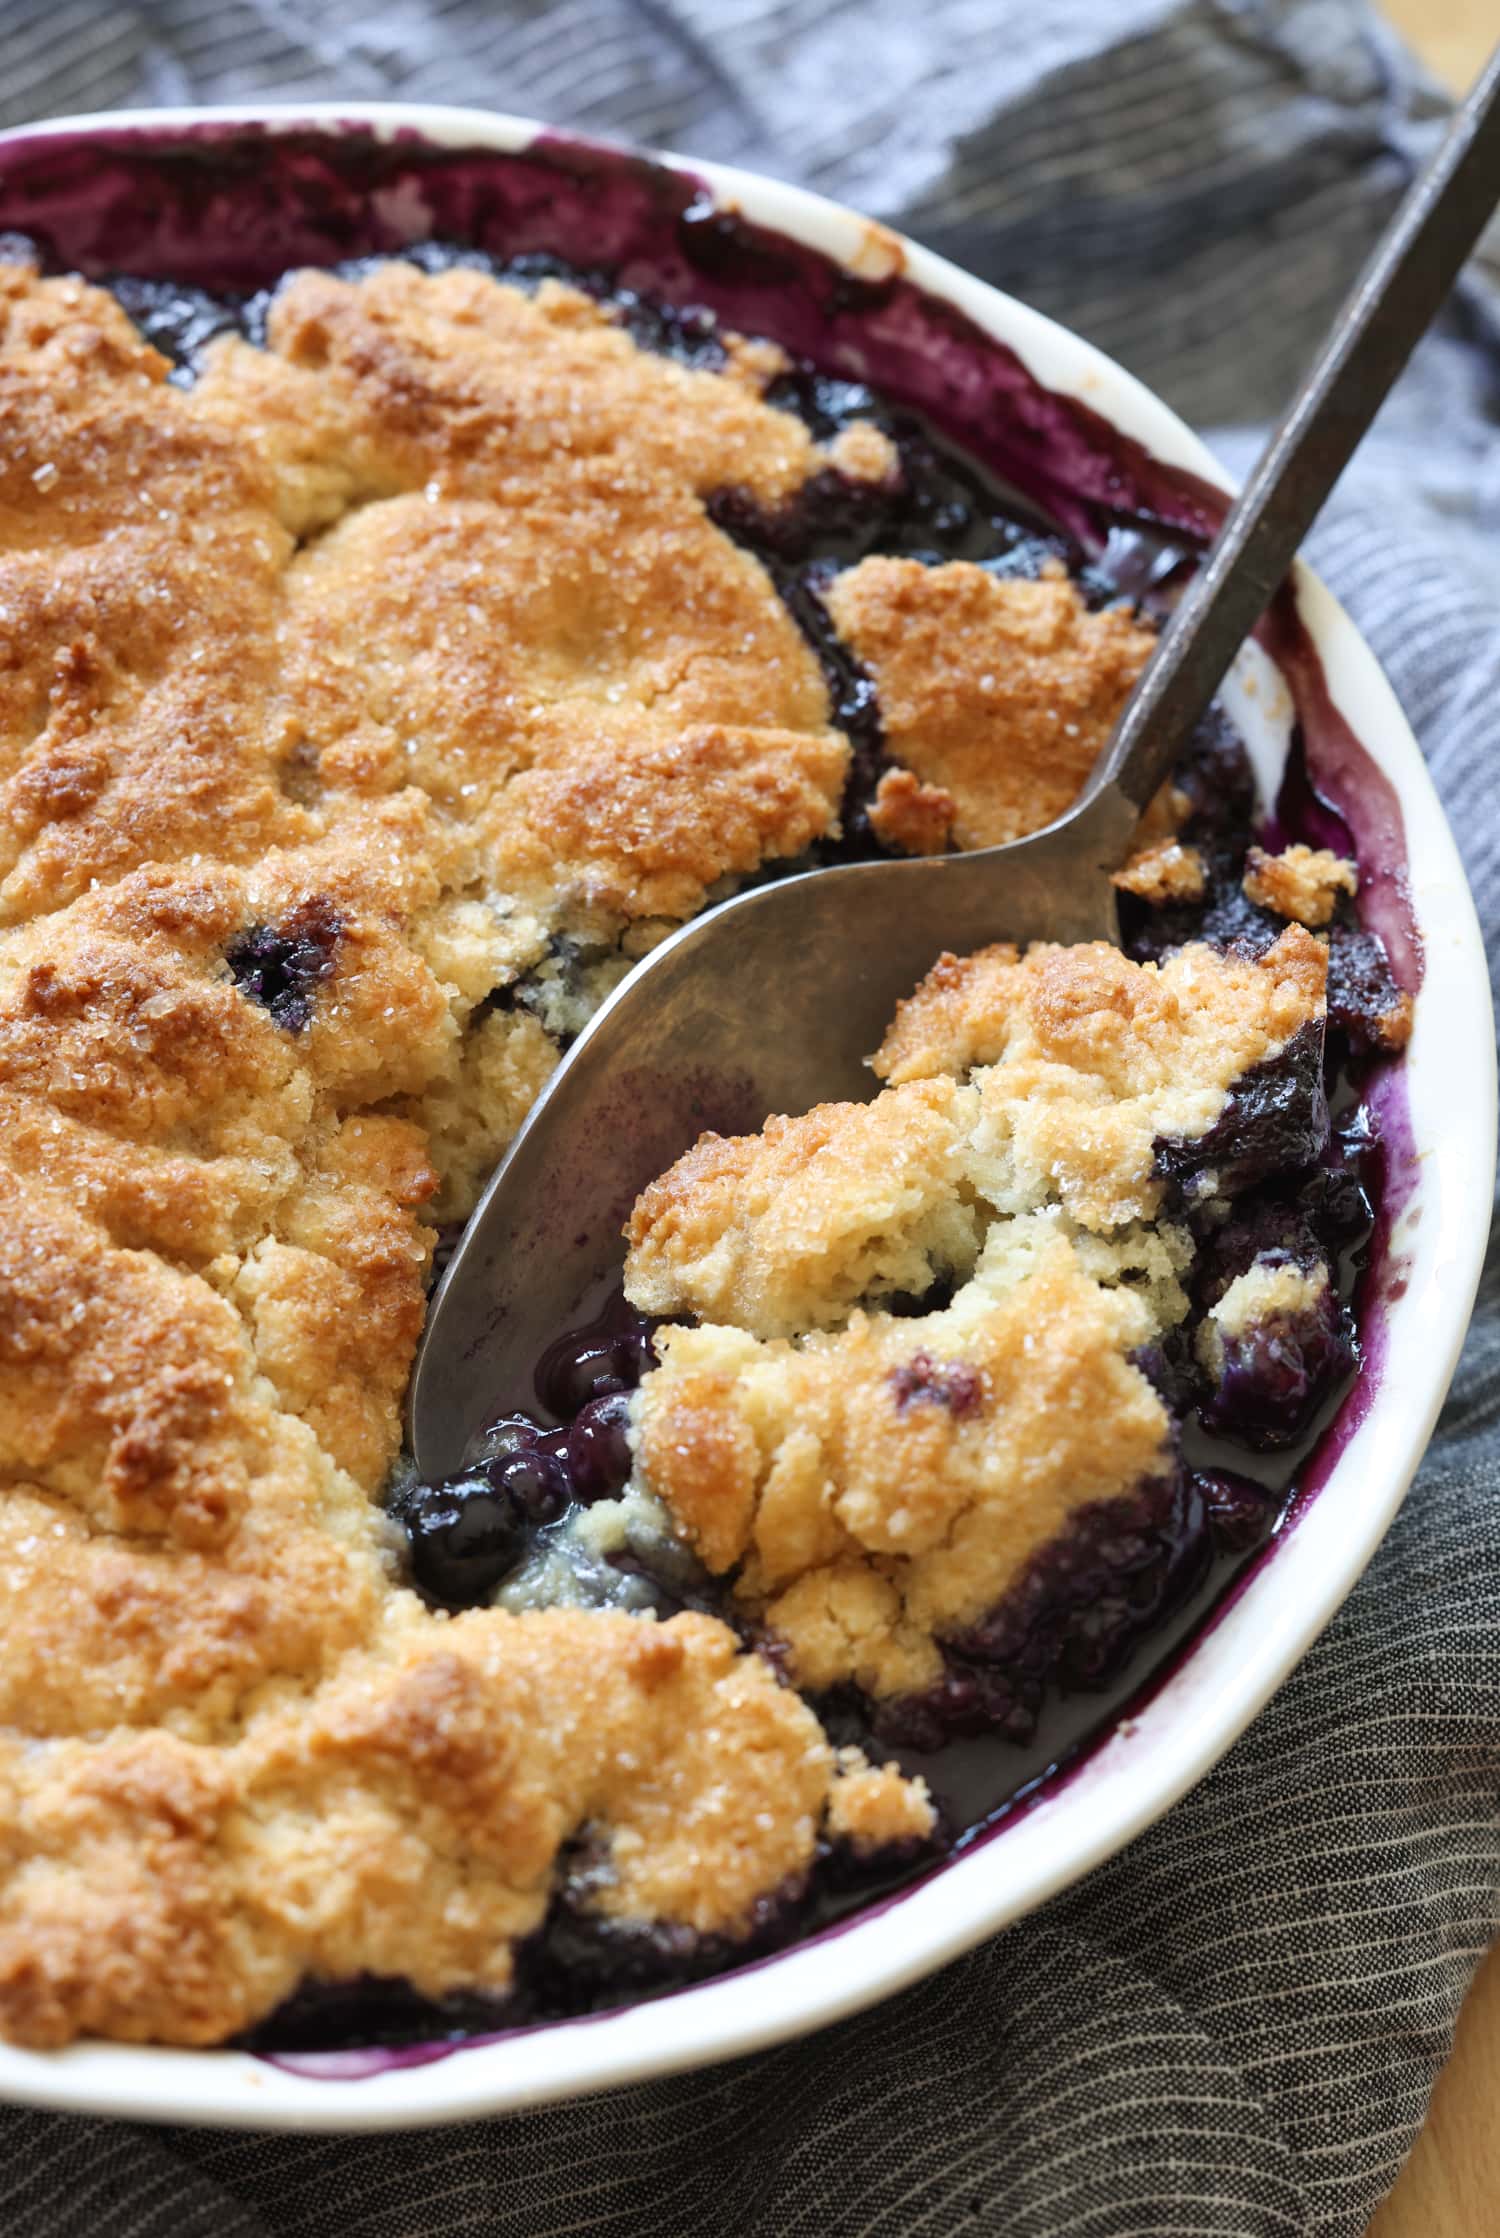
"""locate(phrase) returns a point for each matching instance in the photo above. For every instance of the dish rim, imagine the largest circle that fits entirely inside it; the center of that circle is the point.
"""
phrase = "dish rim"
(1146, 1764)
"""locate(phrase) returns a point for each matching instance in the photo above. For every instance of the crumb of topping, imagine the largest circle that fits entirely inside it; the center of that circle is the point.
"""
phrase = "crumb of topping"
(863, 1528)
(863, 453)
(1163, 815)
(873, 1807)
(1261, 1294)
(998, 692)
(754, 360)
(1301, 882)
(1165, 871)
(915, 817)
(1393, 1027)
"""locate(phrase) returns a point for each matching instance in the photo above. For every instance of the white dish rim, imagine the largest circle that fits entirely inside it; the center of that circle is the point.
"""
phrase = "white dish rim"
(1134, 1777)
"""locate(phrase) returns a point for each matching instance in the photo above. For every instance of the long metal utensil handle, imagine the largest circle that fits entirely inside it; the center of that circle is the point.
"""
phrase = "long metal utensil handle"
(1394, 301)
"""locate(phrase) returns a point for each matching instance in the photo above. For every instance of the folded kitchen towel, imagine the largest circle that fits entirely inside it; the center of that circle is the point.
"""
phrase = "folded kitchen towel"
(1233, 2028)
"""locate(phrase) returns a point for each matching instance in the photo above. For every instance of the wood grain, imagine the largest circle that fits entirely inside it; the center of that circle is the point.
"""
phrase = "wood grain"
(1452, 36)
(1450, 2187)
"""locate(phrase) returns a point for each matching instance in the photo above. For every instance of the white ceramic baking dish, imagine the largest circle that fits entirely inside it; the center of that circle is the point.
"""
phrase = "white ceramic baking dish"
(1440, 1110)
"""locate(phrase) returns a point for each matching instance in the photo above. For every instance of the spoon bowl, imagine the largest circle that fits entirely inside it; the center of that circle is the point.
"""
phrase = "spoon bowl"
(773, 1001)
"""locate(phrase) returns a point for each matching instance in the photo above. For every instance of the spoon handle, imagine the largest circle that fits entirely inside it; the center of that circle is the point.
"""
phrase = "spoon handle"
(1390, 307)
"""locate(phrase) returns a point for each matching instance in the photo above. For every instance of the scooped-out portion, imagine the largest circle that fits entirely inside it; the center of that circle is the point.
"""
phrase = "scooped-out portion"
(923, 1332)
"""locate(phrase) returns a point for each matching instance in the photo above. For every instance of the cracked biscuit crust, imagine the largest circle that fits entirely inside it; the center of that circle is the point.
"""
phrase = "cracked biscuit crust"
(330, 686)
(997, 695)
(876, 1482)
(1086, 1060)
(879, 1488)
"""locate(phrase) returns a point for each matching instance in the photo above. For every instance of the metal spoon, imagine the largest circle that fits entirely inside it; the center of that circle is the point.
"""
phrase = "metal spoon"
(774, 1000)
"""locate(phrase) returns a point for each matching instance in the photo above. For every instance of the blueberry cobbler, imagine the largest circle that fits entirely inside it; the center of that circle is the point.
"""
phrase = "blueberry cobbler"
(387, 661)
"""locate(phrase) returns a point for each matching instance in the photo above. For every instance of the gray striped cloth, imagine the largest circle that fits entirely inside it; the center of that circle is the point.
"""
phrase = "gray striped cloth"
(1235, 2026)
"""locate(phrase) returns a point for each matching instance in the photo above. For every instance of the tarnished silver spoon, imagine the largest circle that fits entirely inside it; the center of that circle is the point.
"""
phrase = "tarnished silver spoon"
(774, 1000)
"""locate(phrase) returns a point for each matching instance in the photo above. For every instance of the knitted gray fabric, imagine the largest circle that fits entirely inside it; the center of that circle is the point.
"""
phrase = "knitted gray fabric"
(1234, 2027)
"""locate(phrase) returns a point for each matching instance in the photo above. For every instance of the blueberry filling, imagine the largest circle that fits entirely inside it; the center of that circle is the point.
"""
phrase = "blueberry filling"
(1275, 1120)
(282, 966)
(1363, 996)
(1240, 1512)
(1126, 1579)
(177, 320)
(526, 1479)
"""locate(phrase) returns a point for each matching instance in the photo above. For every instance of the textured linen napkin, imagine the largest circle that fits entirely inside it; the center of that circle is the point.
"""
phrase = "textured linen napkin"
(1234, 2027)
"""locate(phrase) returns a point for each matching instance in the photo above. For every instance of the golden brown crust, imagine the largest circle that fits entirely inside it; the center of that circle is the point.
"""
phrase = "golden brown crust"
(880, 1488)
(610, 695)
(1088, 1059)
(267, 811)
(482, 390)
(371, 664)
(139, 562)
(787, 1229)
(995, 692)
(875, 1808)
(1164, 871)
(1301, 882)
(914, 817)
(405, 1820)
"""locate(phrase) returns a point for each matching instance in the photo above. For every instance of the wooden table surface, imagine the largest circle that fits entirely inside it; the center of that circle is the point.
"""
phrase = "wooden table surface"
(1450, 2187)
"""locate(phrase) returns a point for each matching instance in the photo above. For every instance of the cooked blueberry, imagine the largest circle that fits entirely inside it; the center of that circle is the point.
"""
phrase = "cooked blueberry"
(498, 1440)
(923, 1381)
(536, 1481)
(281, 966)
(599, 1446)
(1272, 1375)
(1168, 1366)
(1337, 1206)
(589, 1365)
(1364, 1000)
(176, 319)
(372, 2010)
(1274, 1120)
(465, 1535)
(1075, 1616)
(1239, 1510)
